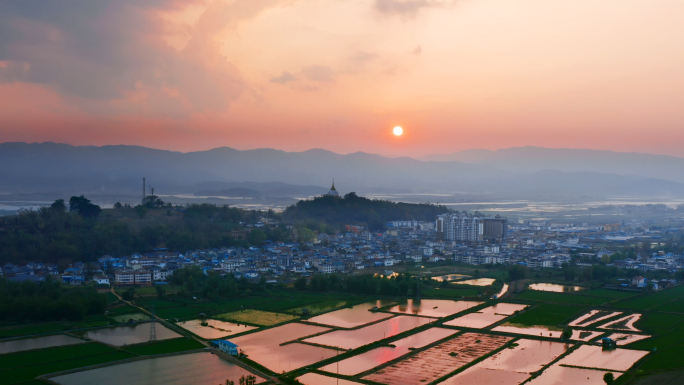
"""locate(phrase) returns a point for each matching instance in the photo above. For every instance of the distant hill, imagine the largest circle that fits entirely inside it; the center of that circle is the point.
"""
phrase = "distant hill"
(354, 210)
(519, 173)
(532, 159)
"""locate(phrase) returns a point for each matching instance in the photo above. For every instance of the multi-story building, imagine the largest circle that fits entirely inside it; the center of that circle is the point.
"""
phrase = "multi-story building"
(495, 229)
(460, 227)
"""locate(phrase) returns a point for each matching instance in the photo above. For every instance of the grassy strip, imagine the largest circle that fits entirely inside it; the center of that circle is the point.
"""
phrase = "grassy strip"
(162, 347)
(546, 315)
(608, 293)
(16, 375)
(53, 327)
(33, 357)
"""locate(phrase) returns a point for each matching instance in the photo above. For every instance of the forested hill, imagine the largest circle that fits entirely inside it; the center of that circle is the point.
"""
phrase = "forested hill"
(353, 209)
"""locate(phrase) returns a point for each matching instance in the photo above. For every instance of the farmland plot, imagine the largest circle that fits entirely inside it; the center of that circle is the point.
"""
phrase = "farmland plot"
(595, 357)
(486, 316)
(438, 361)
(433, 307)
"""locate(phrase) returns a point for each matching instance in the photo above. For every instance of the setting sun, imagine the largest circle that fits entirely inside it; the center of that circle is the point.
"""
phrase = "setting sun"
(398, 131)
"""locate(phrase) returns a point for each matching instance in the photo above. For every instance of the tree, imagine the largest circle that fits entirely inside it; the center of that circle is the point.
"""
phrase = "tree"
(300, 283)
(129, 294)
(608, 378)
(59, 206)
(306, 235)
(141, 210)
(256, 237)
(118, 205)
(84, 207)
(161, 292)
(517, 272)
(567, 334)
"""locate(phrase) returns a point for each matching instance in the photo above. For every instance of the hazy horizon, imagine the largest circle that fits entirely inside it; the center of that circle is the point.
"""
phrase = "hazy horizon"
(196, 74)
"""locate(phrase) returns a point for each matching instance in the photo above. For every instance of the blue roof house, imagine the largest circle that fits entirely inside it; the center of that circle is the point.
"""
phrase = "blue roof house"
(226, 347)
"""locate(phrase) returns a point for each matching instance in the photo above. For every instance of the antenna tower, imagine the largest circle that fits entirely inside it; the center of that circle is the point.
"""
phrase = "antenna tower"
(143, 200)
(153, 329)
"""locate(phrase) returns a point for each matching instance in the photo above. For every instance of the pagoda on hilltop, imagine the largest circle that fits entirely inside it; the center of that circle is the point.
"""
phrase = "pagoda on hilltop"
(333, 192)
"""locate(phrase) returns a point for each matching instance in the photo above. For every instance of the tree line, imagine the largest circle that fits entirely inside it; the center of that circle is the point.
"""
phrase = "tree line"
(49, 300)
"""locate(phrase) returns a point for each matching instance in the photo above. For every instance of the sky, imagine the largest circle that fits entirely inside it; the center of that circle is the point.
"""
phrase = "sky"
(192, 75)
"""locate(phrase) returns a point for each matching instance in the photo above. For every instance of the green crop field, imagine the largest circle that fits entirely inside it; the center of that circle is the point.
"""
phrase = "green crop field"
(125, 309)
(676, 306)
(608, 293)
(666, 359)
(40, 356)
(547, 315)
(652, 300)
(163, 347)
(655, 322)
(547, 296)
(660, 342)
(181, 312)
(53, 327)
(25, 373)
(157, 303)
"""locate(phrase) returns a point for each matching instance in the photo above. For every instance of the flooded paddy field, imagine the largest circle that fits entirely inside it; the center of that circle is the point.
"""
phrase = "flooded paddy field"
(440, 360)
(555, 287)
(317, 379)
(185, 369)
(530, 331)
(477, 282)
(352, 339)
(449, 277)
(38, 343)
(503, 291)
(624, 323)
(352, 317)
(128, 335)
(561, 375)
(486, 316)
(476, 375)
(215, 328)
(527, 357)
(264, 347)
(625, 339)
(368, 360)
(595, 357)
(433, 307)
(594, 316)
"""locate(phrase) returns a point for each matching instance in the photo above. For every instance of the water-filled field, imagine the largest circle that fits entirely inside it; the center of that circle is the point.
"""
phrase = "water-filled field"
(368, 360)
(624, 323)
(433, 307)
(127, 335)
(530, 331)
(352, 339)
(37, 343)
(186, 369)
(596, 357)
(214, 328)
(625, 339)
(265, 347)
(317, 379)
(477, 282)
(476, 375)
(561, 375)
(555, 288)
(527, 357)
(449, 277)
(440, 360)
(486, 316)
(352, 317)
(593, 316)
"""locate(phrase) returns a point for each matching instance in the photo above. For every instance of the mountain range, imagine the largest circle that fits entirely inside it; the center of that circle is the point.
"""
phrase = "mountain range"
(526, 172)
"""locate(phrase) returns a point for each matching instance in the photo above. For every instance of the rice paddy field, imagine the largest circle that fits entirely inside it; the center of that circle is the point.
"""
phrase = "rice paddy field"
(436, 340)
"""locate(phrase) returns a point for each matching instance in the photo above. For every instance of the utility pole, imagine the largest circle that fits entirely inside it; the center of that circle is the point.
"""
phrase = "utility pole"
(153, 329)
(143, 198)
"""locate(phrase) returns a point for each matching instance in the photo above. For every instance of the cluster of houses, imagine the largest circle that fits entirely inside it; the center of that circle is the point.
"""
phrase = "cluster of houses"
(533, 244)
